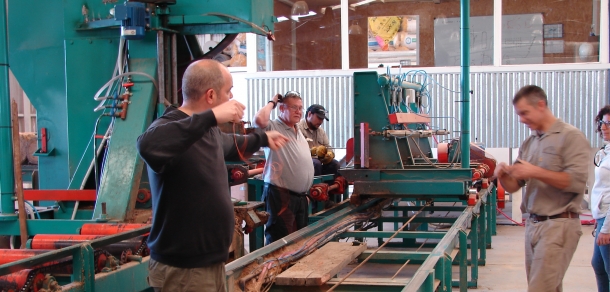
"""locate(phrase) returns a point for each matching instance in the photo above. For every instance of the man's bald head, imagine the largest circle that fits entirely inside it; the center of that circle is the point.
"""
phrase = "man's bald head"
(201, 76)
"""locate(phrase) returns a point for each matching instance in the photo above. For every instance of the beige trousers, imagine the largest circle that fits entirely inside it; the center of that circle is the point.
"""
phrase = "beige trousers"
(549, 247)
(164, 278)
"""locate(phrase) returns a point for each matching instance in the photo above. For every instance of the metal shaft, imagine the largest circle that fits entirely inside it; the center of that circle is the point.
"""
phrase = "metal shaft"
(7, 178)
(465, 82)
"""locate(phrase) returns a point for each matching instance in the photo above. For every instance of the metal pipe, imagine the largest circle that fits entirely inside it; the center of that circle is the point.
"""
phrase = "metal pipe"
(161, 65)
(465, 81)
(7, 177)
(174, 66)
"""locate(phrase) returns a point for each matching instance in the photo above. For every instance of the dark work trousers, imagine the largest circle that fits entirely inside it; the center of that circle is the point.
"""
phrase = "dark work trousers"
(288, 212)
(322, 169)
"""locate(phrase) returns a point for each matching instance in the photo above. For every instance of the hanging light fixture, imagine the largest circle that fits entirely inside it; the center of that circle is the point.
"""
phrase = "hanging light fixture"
(299, 8)
(355, 29)
(328, 18)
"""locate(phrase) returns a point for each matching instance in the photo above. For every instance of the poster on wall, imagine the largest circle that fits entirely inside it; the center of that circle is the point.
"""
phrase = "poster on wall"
(522, 41)
(393, 41)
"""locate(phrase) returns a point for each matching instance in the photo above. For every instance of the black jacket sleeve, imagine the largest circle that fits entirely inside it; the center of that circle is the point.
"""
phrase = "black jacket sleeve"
(166, 138)
(247, 144)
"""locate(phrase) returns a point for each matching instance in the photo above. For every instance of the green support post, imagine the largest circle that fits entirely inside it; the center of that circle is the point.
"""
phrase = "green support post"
(84, 267)
(488, 214)
(428, 285)
(483, 233)
(447, 277)
(465, 82)
(474, 249)
(494, 205)
(255, 193)
(7, 177)
(463, 284)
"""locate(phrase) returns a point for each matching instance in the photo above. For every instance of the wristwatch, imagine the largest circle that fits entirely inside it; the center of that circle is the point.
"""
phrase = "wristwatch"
(274, 103)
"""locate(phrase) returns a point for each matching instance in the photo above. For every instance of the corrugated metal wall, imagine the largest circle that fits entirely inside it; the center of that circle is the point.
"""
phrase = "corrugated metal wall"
(574, 96)
(334, 93)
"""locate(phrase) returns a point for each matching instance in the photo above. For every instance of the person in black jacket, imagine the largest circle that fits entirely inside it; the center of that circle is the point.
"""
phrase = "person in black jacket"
(185, 153)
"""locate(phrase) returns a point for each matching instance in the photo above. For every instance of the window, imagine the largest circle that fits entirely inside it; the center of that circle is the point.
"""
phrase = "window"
(414, 33)
(549, 31)
(307, 35)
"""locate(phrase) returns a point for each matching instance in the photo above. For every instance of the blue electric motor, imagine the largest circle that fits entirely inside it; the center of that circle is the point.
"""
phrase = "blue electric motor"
(134, 19)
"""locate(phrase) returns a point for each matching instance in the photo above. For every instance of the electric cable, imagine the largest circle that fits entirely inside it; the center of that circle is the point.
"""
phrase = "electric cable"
(377, 250)
(511, 219)
(33, 209)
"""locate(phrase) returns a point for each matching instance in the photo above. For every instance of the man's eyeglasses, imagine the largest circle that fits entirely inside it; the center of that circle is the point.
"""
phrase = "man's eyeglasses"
(599, 156)
(295, 108)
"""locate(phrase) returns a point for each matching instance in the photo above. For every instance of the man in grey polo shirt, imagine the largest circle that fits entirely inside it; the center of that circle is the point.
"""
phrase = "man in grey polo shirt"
(288, 173)
(553, 167)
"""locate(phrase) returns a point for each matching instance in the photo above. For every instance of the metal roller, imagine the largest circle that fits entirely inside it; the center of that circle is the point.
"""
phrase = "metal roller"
(108, 229)
(13, 255)
(57, 241)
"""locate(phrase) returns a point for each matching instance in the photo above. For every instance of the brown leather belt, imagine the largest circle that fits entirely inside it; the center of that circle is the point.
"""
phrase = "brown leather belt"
(538, 218)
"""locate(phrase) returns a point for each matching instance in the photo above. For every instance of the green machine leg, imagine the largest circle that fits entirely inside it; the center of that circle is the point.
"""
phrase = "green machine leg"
(7, 180)
(255, 193)
(483, 230)
(463, 258)
(494, 205)
(84, 267)
(474, 250)
(428, 285)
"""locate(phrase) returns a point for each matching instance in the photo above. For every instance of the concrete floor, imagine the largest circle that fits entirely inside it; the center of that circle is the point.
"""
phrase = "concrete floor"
(505, 269)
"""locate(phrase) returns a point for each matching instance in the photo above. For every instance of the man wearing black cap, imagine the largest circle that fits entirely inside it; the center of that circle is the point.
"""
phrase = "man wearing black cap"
(322, 156)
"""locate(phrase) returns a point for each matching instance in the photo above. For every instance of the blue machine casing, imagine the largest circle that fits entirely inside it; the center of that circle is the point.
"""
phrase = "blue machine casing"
(134, 19)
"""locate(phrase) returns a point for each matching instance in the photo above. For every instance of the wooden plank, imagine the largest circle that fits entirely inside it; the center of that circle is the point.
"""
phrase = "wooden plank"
(318, 267)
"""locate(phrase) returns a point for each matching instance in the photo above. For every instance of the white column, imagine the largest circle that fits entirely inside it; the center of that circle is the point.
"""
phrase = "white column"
(251, 52)
(497, 33)
(603, 32)
(344, 35)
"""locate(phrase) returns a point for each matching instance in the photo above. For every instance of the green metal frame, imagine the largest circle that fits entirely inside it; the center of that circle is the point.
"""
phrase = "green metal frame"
(62, 66)
(435, 266)
(130, 277)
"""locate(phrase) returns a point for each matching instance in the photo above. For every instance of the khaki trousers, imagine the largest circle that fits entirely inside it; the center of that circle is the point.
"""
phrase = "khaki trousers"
(164, 278)
(549, 247)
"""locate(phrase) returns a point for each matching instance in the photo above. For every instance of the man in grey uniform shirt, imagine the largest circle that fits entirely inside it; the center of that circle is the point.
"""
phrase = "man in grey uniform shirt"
(288, 173)
(553, 167)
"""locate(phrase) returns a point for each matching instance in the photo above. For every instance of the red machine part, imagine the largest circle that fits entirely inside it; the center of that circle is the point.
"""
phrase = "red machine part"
(501, 196)
(408, 118)
(108, 229)
(443, 152)
(60, 195)
(143, 196)
(321, 192)
(13, 255)
(16, 281)
(43, 140)
(478, 155)
(237, 174)
(57, 241)
(349, 150)
(480, 172)
(473, 197)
